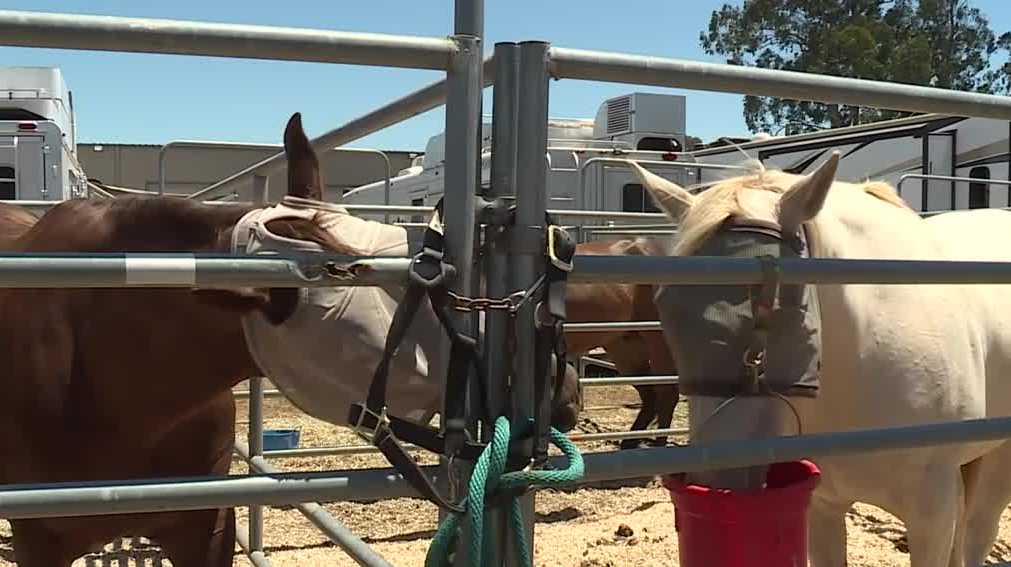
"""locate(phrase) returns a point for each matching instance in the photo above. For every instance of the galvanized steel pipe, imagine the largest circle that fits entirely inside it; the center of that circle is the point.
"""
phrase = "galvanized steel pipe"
(158, 495)
(707, 270)
(182, 37)
(613, 327)
(257, 558)
(658, 380)
(172, 270)
(333, 529)
(408, 106)
(685, 74)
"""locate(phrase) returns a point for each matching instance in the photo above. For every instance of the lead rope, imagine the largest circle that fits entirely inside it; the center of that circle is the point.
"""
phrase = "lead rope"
(489, 478)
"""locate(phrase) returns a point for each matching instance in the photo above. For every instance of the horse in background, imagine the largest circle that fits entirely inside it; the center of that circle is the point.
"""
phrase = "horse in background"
(850, 357)
(636, 353)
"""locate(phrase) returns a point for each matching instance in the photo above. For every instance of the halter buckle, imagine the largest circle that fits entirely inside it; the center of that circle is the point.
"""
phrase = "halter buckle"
(552, 253)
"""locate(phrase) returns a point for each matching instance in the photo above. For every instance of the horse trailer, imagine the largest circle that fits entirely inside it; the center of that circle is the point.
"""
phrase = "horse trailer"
(38, 137)
(585, 170)
(931, 145)
(582, 170)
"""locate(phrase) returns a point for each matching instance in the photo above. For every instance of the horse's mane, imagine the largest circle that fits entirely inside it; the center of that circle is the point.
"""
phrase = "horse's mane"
(722, 201)
(156, 224)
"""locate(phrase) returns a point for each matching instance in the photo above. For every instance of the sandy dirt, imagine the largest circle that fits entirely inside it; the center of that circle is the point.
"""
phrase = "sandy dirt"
(574, 529)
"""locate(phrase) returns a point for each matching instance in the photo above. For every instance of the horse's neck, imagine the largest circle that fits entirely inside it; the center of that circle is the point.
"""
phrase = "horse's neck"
(858, 226)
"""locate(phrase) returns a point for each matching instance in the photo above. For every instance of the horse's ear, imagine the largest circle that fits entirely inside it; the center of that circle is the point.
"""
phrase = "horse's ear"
(304, 179)
(667, 195)
(806, 197)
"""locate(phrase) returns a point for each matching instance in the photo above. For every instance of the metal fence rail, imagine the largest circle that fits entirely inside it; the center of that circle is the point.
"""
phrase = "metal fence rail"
(348, 450)
(334, 530)
(697, 75)
(459, 57)
(280, 489)
(180, 37)
(408, 106)
(185, 270)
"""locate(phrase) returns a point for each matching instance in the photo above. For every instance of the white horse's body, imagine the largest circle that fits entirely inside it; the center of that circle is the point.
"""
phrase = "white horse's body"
(891, 356)
(903, 355)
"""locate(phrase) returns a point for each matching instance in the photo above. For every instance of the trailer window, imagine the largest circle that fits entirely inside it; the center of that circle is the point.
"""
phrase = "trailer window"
(635, 200)
(420, 202)
(979, 193)
(656, 144)
(7, 181)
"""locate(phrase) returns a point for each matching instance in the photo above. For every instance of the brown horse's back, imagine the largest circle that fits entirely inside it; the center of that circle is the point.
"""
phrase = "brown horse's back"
(15, 221)
(108, 384)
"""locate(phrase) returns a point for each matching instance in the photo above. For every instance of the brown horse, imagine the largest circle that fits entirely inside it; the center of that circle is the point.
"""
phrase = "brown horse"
(633, 352)
(107, 384)
(14, 222)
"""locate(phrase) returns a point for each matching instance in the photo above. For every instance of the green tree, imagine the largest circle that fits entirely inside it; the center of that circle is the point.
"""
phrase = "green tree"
(941, 43)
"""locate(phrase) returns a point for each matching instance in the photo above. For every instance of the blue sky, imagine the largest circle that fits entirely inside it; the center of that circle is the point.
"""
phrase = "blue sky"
(144, 98)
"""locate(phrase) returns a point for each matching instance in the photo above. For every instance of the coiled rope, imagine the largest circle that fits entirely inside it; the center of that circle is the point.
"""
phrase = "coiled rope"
(488, 478)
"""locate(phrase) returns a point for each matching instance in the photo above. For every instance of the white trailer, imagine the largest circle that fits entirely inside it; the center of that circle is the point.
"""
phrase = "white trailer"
(585, 173)
(38, 137)
(584, 169)
(928, 144)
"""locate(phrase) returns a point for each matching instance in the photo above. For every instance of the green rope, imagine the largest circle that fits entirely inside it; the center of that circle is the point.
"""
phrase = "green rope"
(487, 477)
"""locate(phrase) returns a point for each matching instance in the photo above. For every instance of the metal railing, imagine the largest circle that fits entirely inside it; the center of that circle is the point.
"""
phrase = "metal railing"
(163, 156)
(623, 162)
(930, 177)
(408, 106)
(523, 109)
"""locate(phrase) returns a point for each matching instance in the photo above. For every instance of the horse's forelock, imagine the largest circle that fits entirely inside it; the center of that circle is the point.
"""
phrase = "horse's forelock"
(714, 206)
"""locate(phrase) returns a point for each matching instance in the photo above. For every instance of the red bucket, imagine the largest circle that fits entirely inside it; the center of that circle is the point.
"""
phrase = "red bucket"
(761, 528)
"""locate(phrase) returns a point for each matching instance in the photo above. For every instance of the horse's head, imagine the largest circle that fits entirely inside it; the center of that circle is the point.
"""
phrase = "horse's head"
(304, 181)
(302, 324)
(747, 354)
(567, 403)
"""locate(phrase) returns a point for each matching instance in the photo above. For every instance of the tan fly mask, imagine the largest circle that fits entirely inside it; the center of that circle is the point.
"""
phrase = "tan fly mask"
(734, 340)
(322, 358)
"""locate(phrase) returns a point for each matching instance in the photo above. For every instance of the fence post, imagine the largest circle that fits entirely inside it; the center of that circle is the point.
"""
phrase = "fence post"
(255, 439)
(464, 88)
(503, 186)
(526, 245)
(261, 189)
(255, 435)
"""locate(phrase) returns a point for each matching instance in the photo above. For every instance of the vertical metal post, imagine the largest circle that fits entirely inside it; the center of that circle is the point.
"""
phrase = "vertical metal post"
(261, 189)
(255, 437)
(255, 440)
(503, 186)
(463, 136)
(527, 244)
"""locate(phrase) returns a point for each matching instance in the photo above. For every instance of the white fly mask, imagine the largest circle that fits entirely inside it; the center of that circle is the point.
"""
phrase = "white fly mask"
(322, 358)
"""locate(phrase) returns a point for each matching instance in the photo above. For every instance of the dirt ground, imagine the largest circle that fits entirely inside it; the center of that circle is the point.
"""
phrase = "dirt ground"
(574, 529)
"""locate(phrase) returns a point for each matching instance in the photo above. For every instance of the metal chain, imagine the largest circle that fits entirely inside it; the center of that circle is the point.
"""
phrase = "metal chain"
(511, 303)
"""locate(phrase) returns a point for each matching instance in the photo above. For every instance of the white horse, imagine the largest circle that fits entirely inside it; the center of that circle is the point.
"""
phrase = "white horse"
(890, 355)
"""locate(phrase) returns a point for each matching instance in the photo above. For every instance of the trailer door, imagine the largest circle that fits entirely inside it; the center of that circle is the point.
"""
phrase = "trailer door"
(31, 168)
(938, 159)
(8, 168)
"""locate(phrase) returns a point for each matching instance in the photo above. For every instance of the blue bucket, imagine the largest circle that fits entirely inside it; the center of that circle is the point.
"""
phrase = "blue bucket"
(279, 439)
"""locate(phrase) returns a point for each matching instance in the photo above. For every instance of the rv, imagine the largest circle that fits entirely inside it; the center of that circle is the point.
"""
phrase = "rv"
(585, 170)
(38, 145)
(584, 165)
(898, 152)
